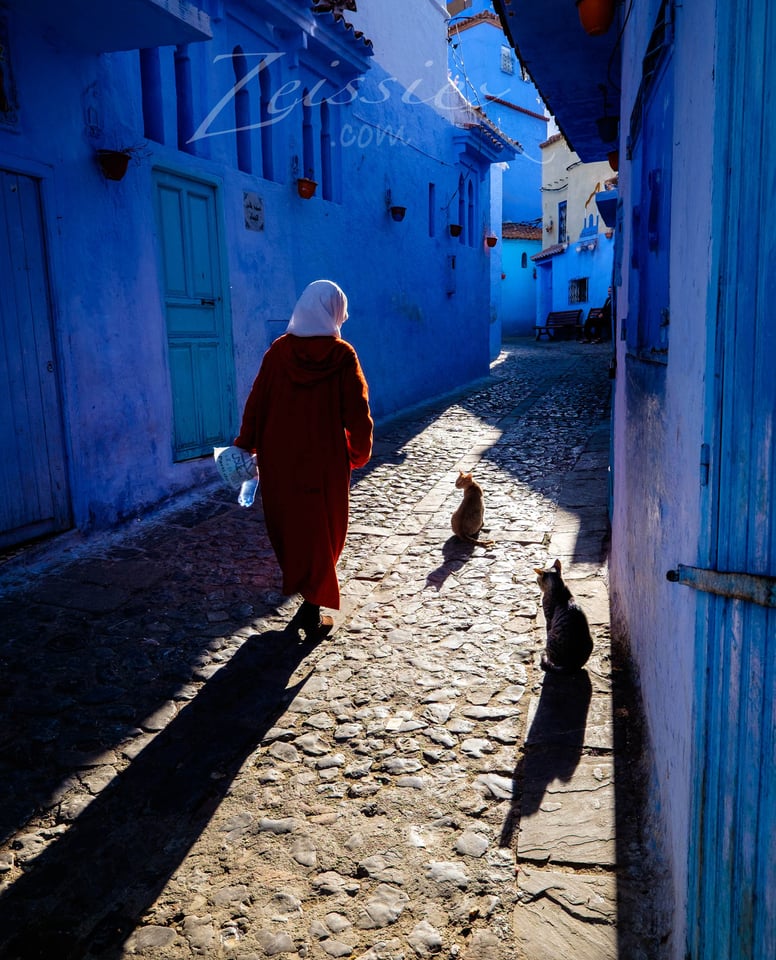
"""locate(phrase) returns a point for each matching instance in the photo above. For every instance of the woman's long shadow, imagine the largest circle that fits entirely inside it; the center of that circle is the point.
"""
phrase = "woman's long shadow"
(86, 891)
(553, 745)
(455, 553)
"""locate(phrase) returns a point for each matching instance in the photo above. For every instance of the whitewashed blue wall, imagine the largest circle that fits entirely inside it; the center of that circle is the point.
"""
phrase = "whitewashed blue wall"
(659, 429)
(406, 321)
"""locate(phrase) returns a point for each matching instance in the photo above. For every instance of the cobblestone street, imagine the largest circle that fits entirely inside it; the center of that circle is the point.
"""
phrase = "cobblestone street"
(181, 780)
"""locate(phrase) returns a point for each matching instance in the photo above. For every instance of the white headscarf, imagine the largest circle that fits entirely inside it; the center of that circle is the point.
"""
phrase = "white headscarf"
(320, 311)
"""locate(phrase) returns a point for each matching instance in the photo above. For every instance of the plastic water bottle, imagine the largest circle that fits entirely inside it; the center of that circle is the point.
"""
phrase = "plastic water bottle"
(248, 492)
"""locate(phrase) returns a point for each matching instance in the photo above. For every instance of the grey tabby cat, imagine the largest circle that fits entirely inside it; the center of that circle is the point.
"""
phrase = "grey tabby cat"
(468, 518)
(569, 643)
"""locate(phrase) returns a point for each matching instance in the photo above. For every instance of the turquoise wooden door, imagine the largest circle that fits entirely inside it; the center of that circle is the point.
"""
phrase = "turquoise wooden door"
(199, 347)
(733, 895)
(34, 495)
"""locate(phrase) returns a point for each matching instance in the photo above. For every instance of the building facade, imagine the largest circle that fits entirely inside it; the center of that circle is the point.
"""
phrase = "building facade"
(574, 267)
(156, 229)
(485, 68)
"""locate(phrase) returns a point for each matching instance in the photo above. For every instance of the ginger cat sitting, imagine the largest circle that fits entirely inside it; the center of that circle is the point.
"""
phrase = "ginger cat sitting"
(468, 519)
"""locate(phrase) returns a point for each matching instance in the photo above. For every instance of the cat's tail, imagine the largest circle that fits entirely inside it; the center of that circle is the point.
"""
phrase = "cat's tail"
(478, 543)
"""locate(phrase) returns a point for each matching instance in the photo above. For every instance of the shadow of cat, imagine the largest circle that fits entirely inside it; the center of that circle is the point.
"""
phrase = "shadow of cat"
(455, 553)
(553, 745)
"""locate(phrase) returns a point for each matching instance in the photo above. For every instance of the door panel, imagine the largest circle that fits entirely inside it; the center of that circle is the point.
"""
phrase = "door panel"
(199, 347)
(34, 496)
(733, 912)
(171, 232)
(191, 319)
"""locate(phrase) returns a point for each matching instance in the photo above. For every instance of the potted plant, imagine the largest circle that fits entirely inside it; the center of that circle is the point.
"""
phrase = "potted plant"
(113, 163)
(455, 229)
(491, 240)
(305, 187)
(596, 16)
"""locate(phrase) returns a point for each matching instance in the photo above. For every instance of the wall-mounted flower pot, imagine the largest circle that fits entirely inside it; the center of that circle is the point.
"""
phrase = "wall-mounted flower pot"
(305, 187)
(491, 240)
(113, 163)
(455, 229)
(614, 160)
(596, 16)
(397, 213)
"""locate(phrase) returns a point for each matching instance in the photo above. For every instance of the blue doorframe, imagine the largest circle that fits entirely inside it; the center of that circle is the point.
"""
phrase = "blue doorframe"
(732, 898)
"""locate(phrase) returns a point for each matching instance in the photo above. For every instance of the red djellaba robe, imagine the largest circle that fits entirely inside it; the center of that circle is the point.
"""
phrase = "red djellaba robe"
(307, 418)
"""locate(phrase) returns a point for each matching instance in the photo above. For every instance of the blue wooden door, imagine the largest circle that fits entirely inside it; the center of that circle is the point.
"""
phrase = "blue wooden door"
(544, 299)
(199, 347)
(34, 495)
(733, 895)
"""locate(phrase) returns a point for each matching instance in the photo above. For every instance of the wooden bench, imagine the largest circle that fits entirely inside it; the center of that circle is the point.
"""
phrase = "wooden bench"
(567, 321)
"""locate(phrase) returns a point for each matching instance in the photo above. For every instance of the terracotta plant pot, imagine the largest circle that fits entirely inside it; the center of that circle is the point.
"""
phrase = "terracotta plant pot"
(455, 229)
(397, 213)
(614, 160)
(113, 163)
(491, 241)
(596, 16)
(305, 187)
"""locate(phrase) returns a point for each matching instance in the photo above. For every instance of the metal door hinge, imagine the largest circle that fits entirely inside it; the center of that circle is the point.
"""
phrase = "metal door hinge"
(754, 587)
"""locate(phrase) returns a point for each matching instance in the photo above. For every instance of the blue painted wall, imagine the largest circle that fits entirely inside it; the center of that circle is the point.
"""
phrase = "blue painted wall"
(694, 473)
(596, 265)
(407, 301)
(519, 286)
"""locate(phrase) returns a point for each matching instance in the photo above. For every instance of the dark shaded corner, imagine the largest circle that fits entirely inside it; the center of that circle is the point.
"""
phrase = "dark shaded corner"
(642, 928)
(85, 893)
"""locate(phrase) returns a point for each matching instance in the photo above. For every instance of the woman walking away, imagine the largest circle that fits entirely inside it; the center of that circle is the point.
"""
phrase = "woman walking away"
(308, 420)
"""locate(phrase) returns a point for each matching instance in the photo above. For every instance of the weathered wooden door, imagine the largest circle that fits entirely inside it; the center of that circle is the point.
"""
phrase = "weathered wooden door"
(34, 495)
(199, 346)
(733, 895)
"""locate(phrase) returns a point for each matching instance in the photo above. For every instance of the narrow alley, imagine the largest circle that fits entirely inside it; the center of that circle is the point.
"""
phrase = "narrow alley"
(179, 780)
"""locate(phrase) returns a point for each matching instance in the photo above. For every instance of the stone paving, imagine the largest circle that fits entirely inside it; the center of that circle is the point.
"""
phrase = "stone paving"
(180, 780)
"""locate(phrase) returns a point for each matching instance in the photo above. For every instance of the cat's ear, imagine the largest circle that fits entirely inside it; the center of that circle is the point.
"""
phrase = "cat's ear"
(556, 566)
(538, 570)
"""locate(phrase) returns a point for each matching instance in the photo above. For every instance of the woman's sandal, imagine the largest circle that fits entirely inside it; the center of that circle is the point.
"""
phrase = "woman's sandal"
(321, 631)
(311, 622)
